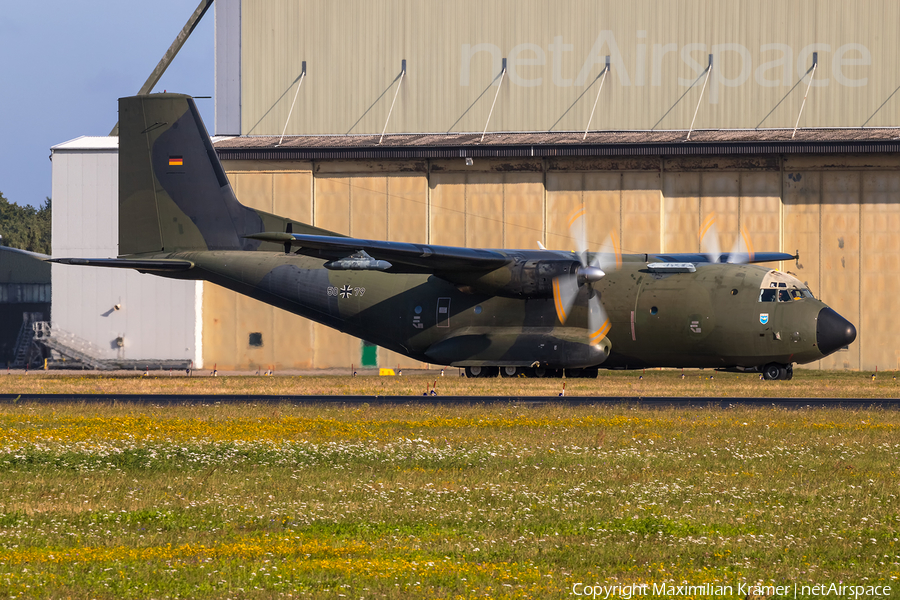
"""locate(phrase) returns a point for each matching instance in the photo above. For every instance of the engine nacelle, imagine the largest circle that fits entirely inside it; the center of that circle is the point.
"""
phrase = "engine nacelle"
(525, 278)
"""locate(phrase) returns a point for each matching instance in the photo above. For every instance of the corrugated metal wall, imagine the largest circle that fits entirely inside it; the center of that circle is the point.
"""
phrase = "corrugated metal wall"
(555, 52)
(157, 316)
(841, 212)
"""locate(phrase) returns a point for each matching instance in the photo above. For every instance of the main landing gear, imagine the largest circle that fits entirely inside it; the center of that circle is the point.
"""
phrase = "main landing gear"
(773, 371)
(482, 371)
(531, 372)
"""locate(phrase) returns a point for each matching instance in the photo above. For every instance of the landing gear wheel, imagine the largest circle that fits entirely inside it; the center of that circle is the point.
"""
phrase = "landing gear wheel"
(482, 371)
(789, 372)
(474, 372)
(773, 371)
(510, 371)
(545, 372)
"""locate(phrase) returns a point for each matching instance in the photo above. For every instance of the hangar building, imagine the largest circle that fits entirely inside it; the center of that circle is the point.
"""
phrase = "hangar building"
(24, 299)
(484, 123)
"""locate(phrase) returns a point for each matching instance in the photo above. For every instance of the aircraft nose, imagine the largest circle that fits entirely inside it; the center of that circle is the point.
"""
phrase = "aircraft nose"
(833, 331)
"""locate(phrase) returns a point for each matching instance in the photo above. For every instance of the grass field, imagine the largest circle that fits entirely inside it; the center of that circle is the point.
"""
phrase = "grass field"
(282, 501)
(806, 383)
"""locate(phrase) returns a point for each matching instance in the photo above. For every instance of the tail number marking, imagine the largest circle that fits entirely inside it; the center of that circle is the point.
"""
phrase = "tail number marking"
(345, 291)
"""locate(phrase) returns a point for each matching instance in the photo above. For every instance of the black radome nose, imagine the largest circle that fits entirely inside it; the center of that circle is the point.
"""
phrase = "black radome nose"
(833, 331)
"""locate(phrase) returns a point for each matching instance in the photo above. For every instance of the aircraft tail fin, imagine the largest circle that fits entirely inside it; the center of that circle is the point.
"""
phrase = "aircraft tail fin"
(173, 192)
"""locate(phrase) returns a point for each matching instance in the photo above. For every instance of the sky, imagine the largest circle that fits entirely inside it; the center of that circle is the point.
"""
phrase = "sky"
(64, 64)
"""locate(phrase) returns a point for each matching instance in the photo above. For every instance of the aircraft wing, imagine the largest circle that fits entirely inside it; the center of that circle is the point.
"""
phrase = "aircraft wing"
(740, 258)
(149, 264)
(400, 257)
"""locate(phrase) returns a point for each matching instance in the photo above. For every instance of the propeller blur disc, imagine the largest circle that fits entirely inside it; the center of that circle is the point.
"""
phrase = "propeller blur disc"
(709, 239)
(598, 321)
(567, 287)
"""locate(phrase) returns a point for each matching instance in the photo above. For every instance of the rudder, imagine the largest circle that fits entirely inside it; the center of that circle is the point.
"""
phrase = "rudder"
(173, 193)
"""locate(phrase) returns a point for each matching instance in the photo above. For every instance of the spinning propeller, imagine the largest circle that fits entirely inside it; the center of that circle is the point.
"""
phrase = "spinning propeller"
(741, 252)
(567, 287)
(592, 268)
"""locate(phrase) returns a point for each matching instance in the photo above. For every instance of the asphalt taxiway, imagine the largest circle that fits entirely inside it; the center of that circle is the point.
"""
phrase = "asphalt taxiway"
(644, 401)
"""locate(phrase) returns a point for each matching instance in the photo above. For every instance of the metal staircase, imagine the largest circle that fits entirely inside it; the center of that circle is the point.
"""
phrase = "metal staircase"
(77, 352)
(23, 344)
(70, 346)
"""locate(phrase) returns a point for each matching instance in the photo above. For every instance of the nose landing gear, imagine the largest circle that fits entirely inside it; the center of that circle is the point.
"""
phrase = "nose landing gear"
(773, 371)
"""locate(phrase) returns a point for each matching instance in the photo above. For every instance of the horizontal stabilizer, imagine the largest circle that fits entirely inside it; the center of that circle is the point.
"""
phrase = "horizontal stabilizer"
(150, 264)
(404, 257)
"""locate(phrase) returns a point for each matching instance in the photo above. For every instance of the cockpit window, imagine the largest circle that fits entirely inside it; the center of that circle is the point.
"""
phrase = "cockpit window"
(777, 286)
(781, 295)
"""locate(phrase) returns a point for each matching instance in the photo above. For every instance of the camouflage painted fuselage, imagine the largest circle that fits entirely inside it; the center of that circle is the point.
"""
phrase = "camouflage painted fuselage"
(179, 217)
(709, 318)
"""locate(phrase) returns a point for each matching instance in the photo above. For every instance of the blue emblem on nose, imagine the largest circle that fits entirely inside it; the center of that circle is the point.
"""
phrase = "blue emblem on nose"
(763, 318)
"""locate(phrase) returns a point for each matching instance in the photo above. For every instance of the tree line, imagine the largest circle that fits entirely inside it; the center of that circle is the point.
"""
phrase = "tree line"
(25, 227)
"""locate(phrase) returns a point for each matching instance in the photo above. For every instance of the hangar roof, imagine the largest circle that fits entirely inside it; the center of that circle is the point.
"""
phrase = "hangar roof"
(20, 266)
(547, 144)
(88, 143)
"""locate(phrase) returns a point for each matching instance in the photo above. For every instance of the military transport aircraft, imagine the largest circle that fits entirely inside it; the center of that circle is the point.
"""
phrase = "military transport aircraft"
(536, 312)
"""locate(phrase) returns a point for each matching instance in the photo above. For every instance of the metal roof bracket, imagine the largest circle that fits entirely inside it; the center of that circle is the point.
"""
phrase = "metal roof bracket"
(812, 73)
(699, 100)
(499, 85)
(291, 111)
(605, 71)
(397, 91)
